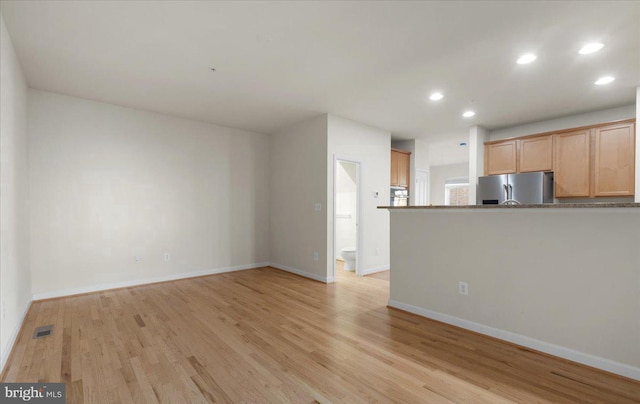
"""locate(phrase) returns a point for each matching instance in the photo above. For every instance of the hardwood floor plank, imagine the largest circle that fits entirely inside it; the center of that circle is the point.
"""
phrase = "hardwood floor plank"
(270, 336)
(75, 392)
(212, 387)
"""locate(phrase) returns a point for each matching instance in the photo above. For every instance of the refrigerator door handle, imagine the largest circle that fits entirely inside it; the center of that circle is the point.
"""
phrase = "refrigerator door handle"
(506, 192)
(508, 189)
(510, 200)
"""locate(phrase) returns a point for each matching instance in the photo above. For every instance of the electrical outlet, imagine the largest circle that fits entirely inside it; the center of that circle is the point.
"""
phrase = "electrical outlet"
(4, 311)
(317, 206)
(136, 258)
(167, 257)
(315, 256)
(463, 288)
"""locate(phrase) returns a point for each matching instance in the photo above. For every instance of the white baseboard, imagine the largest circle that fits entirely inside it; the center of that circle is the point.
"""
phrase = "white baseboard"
(164, 278)
(375, 270)
(300, 272)
(555, 350)
(14, 335)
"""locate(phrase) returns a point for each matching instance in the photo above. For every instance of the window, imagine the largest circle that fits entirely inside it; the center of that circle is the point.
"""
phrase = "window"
(456, 191)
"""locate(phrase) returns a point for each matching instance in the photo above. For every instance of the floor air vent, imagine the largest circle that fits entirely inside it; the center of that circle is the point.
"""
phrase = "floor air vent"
(43, 331)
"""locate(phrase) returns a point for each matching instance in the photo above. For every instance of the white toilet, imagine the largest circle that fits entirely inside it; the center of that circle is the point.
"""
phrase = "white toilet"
(349, 256)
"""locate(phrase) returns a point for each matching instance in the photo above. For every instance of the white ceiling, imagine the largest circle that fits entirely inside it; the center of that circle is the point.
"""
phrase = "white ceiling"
(374, 62)
(449, 151)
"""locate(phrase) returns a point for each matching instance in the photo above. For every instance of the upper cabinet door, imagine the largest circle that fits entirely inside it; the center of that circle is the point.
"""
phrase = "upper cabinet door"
(535, 154)
(614, 162)
(394, 168)
(571, 152)
(403, 169)
(500, 158)
(400, 163)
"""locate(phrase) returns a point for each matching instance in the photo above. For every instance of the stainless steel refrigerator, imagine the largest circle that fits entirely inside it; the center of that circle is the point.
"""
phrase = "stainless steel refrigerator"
(524, 189)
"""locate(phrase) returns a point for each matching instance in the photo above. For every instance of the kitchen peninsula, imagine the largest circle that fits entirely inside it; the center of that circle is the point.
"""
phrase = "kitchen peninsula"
(559, 278)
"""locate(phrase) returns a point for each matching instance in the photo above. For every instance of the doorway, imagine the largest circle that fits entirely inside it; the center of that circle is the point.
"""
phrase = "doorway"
(346, 217)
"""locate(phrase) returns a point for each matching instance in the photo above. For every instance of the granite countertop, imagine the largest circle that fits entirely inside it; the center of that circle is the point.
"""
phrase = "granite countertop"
(539, 206)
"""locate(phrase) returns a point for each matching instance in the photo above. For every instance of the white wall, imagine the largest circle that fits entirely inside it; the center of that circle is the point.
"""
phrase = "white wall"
(299, 181)
(422, 155)
(371, 147)
(477, 136)
(439, 174)
(346, 206)
(15, 278)
(110, 183)
(567, 122)
(561, 280)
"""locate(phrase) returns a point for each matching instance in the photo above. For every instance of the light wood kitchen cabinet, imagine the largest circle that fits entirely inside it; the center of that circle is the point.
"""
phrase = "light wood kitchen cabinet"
(394, 168)
(403, 170)
(571, 166)
(400, 168)
(588, 162)
(500, 157)
(535, 154)
(524, 155)
(614, 160)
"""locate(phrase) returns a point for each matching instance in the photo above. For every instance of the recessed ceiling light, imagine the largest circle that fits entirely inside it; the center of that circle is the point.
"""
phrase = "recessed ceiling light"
(527, 58)
(604, 80)
(436, 96)
(590, 48)
(468, 114)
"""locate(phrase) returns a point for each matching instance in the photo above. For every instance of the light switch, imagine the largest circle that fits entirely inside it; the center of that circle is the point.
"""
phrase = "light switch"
(317, 207)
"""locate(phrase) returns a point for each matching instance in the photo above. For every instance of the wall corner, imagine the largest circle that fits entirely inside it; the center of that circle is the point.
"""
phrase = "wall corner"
(477, 136)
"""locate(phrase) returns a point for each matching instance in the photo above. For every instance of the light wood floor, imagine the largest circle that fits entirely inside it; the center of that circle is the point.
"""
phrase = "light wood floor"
(269, 336)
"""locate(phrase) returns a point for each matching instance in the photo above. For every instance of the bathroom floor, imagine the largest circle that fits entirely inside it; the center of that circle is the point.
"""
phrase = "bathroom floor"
(341, 274)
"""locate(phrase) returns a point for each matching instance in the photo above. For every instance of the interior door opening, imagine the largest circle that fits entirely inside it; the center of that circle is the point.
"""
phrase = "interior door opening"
(346, 217)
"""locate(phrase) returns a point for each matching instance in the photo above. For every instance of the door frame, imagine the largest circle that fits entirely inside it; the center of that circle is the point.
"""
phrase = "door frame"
(337, 158)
